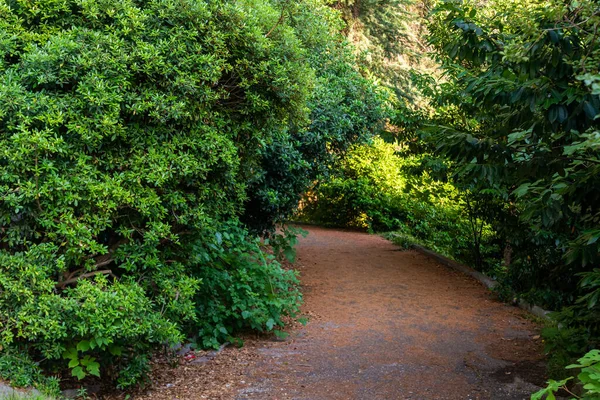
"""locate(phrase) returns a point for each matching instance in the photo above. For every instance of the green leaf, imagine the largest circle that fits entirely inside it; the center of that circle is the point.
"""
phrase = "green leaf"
(281, 334)
(85, 361)
(78, 372)
(73, 363)
(83, 346)
(516, 136)
(552, 114)
(562, 114)
(290, 254)
(70, 353)
(553, 387)
(93, 368)
(516, 95)
(115, 350)
(522, 190)
(590, 110)
(270, 323)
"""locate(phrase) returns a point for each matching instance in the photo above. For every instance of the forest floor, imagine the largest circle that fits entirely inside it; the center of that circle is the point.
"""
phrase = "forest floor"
(383, 324)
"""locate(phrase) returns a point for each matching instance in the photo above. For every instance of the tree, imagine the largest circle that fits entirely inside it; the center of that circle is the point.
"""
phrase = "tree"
(525, 82)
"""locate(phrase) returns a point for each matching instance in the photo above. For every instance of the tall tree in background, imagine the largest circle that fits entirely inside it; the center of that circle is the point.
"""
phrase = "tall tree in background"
(389, 34)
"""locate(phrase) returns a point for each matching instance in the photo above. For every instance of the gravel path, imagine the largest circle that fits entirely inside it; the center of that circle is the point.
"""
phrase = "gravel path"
(390, 324)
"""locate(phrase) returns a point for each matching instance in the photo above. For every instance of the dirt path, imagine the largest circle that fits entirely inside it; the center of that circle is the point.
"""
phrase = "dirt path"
(389, 324)
(384, 324)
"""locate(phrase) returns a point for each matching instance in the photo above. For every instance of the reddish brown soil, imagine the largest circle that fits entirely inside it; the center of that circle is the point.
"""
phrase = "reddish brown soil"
(392, 324)
(383, 324)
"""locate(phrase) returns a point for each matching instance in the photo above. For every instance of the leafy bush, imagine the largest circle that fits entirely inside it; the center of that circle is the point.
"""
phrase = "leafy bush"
(244, 287)
(374, 188)
(588, 378)
(129, 132)
(359, 189)
(523, 79)
(22, 372)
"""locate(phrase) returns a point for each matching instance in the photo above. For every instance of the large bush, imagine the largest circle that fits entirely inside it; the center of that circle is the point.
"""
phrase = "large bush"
(524, 79)
(129, 133)
(375, 188)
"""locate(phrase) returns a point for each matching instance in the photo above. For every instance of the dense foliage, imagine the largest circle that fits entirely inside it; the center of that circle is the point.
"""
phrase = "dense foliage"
(532, 118)
(133, 137)
(374, 188)
(524, 77)
(146, 146)
(588, 380)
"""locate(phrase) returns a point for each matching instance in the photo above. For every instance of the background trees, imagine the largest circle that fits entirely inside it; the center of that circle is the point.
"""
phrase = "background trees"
(524, 75)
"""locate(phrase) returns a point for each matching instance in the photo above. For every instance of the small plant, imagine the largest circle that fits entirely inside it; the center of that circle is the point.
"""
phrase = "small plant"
(284, 243)
(84, 365)
(588, 377)
(82, 394)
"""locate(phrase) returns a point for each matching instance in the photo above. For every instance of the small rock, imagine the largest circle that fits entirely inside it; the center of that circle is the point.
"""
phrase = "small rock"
(70, 393)
(184, 349)
(8, 392)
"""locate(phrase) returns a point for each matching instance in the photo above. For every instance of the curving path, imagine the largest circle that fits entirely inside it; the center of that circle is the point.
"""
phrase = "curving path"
(390, 324)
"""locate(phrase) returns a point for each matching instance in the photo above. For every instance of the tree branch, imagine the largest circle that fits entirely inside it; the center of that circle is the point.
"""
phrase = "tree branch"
(61, 285)
(279, 21)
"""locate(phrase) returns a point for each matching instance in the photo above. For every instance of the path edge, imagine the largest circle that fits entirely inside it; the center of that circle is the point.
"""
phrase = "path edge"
(485, 280)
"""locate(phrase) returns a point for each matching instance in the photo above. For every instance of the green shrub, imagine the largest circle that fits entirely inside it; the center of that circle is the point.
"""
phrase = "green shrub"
(374, 188)
(22, 372)
(129, 131)
(588, 379)
(522, 81)
(244, 287)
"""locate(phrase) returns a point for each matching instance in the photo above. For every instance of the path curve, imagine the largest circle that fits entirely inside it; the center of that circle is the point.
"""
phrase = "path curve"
(391, 324)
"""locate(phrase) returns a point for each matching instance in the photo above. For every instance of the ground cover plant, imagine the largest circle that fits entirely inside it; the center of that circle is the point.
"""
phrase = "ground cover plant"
(143, 146)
